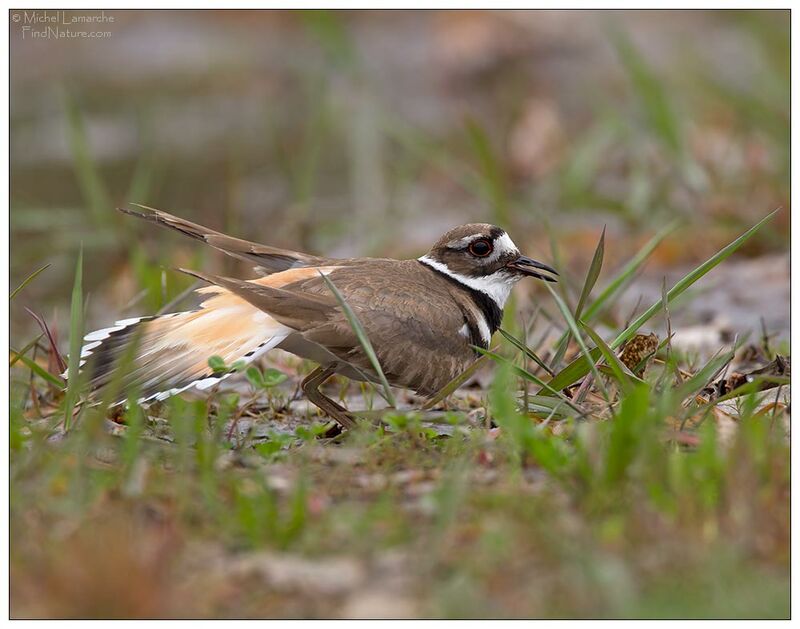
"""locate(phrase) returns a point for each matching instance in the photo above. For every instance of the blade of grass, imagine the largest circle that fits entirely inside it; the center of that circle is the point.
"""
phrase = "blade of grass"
(689, 279)
(525, 350)
(524, 373)
(546, 404)
(352, 319)
(565, 284)
(24, 350)
(75, 342)
(618, 368)
(668, 319)
(592, 275)
(563, 287)
(576, 333)
(580, 366)
(588, 285)
(628, 270)
(455, 382)
(561, 350)
(425, 415)
(37, 368)
(625, 274)
(755, 385)
(26, 281)
(704, 375)
(626, 434)
(50, 338)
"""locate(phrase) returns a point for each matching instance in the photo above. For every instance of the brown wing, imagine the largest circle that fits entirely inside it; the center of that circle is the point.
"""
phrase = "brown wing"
(411, 316)
(295, 309)
(269, 259)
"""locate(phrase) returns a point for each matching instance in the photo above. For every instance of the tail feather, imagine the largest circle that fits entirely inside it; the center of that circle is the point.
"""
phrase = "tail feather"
(170, 353)
(269, 259)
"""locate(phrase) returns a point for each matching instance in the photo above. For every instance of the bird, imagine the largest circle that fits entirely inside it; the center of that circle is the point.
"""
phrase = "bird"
(425, 318)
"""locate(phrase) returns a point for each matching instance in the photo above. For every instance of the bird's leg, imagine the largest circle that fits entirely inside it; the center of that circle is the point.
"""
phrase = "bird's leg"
(310, 386)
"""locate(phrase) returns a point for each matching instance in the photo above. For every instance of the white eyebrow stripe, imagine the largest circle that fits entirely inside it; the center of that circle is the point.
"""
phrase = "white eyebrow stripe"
(504, 244)
(496, 286)
(462, 243)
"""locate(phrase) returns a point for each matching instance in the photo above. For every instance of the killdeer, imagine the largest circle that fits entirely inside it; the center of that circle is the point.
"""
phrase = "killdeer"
(423, 317)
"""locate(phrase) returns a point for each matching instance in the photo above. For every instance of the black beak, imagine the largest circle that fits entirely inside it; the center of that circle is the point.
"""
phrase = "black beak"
(526, 266)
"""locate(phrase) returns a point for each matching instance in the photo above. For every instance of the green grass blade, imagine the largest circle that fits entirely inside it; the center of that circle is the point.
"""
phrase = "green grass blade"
(545, 404)
(62, 366)
(561, 350)
(75, 342)
(24, 350)
(618, 369)
(704, 376)
(626, 434)
(755, 385)
(592, 275)
(690, 278)
(573, 327)
(573, 372)
(524, 373)
(352, 319)
(627, 271)
(36, 368)
(615, 285)
(26, 281)
(525, 350)
(455, 383)
(580, 366)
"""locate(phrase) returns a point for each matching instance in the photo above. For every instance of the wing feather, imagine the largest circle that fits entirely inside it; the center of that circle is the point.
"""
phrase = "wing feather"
(269, 259)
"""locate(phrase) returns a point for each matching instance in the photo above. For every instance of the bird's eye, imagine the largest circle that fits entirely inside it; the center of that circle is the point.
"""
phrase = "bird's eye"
(480, 248)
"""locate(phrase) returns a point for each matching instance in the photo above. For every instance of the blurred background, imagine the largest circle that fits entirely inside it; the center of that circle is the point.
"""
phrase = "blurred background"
(371, 132)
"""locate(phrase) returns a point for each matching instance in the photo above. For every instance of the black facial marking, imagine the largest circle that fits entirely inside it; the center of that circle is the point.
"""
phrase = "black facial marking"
(492, 313)
(496, 232)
